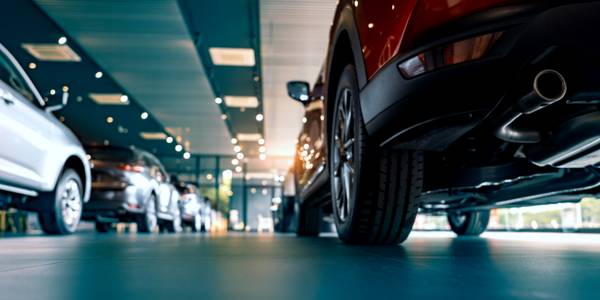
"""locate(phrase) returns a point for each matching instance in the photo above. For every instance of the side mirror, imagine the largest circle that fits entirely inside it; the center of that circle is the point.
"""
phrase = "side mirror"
(57, 102)
(299, 91)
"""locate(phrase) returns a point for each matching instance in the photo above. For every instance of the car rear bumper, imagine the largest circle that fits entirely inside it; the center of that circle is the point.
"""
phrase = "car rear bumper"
(396, 109)
(119, 204)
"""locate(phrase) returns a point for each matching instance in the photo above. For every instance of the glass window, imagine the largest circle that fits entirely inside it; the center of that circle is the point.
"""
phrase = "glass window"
(11, 76)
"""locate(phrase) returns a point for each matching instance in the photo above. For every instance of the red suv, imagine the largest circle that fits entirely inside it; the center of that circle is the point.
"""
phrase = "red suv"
(453, 107)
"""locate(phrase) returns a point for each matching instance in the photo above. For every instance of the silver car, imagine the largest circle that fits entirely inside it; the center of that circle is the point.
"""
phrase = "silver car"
(130, 185)
(43, 167)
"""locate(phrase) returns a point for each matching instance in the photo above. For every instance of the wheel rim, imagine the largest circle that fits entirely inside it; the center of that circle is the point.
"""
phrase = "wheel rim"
(151, 220)
(70, 203)
(457, 219)
(343, 155)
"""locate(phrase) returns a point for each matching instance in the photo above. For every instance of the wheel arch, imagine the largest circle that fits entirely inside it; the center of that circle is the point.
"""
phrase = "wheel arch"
(82, 169)
(345, 48)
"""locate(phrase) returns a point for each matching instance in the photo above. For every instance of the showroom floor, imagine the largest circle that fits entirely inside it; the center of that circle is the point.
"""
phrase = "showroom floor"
(236, 266)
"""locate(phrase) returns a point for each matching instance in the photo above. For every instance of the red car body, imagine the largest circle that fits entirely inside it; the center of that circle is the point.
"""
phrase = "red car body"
(461, 106)
(390, 27)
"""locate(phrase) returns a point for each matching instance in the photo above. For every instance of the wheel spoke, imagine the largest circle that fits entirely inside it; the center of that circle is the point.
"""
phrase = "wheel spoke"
(342, 155)
(349, 144)
(346, 180)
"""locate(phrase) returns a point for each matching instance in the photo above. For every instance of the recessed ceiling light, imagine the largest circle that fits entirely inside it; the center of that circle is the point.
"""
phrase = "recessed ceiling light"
(223, 117)
(259, 117)
(106, 142)
(238, 169)
(243, 57)
(124, 98)
(235, 161)
(52, 92)
(62, 40)
(249, 137)
(109, 120)
(234, 141)
(107, 99)
(144, 115)
(262, 149)
(304, 120)
(178, 148)
(218, 100)
(153, 135)
(240, 155)
(186, 155)
(241, 101)
(237, 148)
(52, 52)
(32, 66)
(262, 156)
(98, 74)
(169, 139)
(261, 141)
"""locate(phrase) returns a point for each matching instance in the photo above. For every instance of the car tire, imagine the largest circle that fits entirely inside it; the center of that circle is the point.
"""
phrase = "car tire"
(196, 224)
(471, 223)
(309, 220)
(103, 227)
(66, 204)
(148, 221)
(375, 191)
(166, 226)
(287, 215)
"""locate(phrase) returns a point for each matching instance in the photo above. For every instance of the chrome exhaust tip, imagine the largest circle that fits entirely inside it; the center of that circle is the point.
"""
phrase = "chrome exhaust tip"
(550, 85)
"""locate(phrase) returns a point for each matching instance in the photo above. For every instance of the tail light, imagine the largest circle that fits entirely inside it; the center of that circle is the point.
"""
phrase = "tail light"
(449, 54)
(131, 168)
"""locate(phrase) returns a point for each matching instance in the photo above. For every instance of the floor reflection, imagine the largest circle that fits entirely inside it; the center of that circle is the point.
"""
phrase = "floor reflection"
(429, 264)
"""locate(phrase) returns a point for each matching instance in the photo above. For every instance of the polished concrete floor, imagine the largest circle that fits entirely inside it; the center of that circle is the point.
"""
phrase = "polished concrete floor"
(237, 266)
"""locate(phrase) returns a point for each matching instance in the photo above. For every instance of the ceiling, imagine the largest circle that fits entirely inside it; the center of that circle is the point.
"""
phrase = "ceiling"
(156, 51)
(232, 24)
(84, 116)
(146, 47)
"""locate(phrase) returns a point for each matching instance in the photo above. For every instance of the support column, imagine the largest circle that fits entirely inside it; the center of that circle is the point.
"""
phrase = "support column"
(244, 197)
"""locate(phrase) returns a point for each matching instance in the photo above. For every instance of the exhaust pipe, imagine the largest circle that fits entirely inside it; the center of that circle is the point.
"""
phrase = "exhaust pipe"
(549, 86)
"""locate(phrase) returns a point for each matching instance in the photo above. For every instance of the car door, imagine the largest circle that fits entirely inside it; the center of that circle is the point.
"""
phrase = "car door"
(24, 127)
(311, 148)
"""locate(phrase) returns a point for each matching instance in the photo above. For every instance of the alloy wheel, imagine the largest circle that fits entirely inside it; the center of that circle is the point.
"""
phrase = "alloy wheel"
(71, 203)
(343, 155)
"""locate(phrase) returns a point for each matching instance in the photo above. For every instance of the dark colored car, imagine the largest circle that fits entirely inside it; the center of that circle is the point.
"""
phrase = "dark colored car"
(130, 185)
(190, 205)
(449, 107)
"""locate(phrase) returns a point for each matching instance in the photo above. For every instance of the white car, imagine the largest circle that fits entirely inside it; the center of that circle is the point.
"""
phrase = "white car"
(43, 167)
